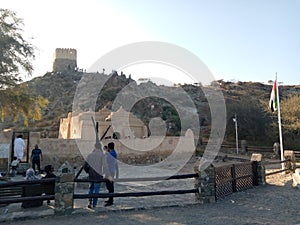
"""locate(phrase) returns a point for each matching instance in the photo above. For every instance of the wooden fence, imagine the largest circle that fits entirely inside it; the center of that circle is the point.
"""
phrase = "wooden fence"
(138, 194)
(25, 191)
(211, 184)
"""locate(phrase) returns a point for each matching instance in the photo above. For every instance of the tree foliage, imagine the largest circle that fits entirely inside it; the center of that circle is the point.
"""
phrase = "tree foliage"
(290, 114)
(15, 57)
(15, 51)
(252, 120)
(20, 101)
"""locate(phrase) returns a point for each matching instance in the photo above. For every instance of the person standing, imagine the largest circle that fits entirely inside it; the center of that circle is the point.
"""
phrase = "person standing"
(36, 158)
(113, 171)
(19, 147)
(95, 165)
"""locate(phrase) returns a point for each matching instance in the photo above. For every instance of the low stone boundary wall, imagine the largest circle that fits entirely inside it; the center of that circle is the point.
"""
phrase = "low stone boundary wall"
(131, 151)
(219, 181)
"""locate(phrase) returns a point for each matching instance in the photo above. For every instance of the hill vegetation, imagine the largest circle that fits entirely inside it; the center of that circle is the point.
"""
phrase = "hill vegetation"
(248, 100)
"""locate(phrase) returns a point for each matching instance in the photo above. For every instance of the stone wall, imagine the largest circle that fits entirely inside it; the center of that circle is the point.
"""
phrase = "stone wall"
(65, 53)
(64, 59)
(80, 126)
(133, 151)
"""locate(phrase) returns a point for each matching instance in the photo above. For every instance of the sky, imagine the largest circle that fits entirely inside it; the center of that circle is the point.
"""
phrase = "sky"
(238, 40)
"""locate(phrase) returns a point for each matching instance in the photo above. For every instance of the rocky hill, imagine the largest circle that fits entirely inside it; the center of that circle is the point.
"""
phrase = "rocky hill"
(77, 92)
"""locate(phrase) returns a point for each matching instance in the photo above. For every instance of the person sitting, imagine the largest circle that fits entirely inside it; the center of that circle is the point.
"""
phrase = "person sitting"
(14, 165)
(29, 191)
(49, 169)
(30, 174)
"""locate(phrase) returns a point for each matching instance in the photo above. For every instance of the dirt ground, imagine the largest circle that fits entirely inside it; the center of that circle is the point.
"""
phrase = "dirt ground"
(277, 202)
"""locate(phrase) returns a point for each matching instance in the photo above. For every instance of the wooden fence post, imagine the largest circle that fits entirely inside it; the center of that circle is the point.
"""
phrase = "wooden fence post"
(233, 176)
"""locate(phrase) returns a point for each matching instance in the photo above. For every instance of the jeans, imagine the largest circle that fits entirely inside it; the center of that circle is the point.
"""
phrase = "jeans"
(94, 189)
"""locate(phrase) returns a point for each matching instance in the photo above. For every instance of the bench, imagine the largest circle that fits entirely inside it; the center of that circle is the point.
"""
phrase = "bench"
(33, 190)
(8, 192)
(30, 194)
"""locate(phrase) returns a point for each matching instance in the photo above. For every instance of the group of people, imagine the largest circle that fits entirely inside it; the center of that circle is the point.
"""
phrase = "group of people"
(102, 163)
(99, 164)
(31, 175)
(19, 150)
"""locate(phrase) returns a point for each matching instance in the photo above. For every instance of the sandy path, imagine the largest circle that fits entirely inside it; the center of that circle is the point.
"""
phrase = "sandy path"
(274, 203)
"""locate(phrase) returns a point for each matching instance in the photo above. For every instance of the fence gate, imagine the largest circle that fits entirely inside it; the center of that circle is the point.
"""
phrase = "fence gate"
(235, 177)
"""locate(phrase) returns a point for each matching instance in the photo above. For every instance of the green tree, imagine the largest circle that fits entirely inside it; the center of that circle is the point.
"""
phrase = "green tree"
(15, 52)
(15, 57)
(253, 120)
(290, 114)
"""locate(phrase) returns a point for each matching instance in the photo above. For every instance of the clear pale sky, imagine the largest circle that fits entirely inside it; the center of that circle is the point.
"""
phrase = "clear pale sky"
(236, 39)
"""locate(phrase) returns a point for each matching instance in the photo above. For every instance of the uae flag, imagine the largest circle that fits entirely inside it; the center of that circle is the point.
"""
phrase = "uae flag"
(273, 98)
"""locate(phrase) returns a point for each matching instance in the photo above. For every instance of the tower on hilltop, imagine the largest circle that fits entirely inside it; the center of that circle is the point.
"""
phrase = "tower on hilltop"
(65, 59)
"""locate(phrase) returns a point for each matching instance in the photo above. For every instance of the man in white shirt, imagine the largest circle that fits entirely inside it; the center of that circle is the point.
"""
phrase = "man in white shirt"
(19, 147)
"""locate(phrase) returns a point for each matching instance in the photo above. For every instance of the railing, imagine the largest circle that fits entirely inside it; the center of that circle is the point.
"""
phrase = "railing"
(13, 195)
(250, 148)
(297, 155)
(17, 196)
(287, 168)
(138, 194)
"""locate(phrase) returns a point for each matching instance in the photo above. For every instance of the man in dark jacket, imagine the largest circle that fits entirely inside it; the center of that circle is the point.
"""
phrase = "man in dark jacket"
(36, 157)
(95, 165)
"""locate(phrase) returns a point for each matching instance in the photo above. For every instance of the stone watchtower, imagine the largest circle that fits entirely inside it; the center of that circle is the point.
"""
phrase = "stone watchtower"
(65, 59)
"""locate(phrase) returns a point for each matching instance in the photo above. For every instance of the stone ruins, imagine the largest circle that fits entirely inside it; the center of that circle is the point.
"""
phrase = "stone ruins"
(64, 59)
(125, 125)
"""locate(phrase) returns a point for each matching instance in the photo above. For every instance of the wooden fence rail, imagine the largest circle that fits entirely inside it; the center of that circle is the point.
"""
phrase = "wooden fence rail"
(139, 179)
(138, 194)
(17, 191)
(278, 171)
(17, 197)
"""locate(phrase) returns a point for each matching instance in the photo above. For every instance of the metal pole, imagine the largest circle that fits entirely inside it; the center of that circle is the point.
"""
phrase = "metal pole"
(236, 134)
(279, 125)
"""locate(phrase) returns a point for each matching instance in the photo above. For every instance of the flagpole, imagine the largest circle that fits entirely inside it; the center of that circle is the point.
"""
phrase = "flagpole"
(279, 124)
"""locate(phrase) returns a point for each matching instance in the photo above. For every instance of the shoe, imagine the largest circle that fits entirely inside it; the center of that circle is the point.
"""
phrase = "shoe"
(107, 201)
(108, 204)
(90, 206)
(48, 202)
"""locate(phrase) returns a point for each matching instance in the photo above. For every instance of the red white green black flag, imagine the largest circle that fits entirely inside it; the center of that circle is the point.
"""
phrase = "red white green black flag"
(273, 103)
(275, 106)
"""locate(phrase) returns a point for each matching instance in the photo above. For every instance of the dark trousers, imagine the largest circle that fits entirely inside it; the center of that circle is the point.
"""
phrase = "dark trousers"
(36, 162)
(111, 189)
